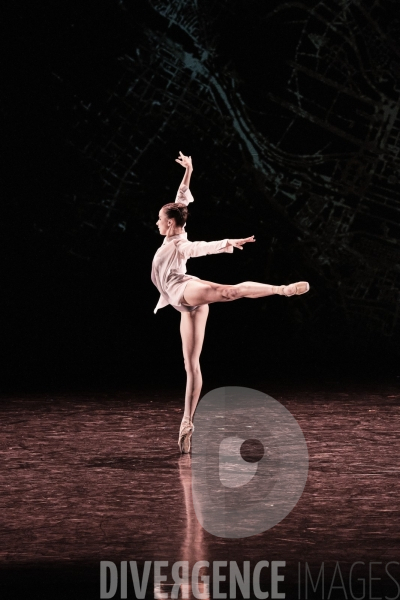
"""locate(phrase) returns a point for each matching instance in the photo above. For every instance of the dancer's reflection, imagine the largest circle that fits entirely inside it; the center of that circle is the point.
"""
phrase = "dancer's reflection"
(193, 550)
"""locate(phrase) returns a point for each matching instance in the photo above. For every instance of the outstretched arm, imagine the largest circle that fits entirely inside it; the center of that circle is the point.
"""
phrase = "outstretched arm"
(192, 249)
(239, 243)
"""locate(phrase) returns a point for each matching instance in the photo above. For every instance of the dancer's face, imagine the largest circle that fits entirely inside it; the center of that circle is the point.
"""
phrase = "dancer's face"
(162, 222)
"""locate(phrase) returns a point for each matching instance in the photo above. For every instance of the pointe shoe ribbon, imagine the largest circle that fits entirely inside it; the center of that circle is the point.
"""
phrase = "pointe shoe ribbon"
(296, 289)
(185, 433)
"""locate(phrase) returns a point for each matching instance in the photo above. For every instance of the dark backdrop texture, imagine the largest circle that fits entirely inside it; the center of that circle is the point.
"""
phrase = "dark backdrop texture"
(290, 113)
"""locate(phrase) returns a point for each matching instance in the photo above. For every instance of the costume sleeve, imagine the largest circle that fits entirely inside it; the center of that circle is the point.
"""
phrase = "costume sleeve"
(191, 249)
(184, 195)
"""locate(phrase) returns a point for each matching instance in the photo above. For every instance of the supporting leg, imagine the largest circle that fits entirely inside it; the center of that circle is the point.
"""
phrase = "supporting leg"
(192, 331)
(192, 328)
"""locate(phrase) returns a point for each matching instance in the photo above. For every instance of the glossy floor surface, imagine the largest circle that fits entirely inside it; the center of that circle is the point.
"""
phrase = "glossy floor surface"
(96, 477)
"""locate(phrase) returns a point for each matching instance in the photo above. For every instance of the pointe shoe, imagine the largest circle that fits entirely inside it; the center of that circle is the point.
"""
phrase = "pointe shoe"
(185, 433)
(295, 289)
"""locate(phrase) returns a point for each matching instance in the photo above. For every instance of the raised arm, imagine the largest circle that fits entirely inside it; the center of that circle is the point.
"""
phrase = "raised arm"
(184, 195)
(186, 162)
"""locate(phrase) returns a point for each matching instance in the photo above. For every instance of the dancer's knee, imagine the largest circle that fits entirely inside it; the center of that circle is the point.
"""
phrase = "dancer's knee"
(192, 366)
(231, 292)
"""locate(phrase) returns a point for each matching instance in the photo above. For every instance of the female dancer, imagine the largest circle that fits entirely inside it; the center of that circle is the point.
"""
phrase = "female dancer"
(190, 295)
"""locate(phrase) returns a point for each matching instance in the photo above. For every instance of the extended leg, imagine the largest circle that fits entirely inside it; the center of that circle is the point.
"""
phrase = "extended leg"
(198, 292)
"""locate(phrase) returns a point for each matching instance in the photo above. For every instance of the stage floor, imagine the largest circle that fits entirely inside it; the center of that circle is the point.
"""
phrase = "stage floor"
(90, 477)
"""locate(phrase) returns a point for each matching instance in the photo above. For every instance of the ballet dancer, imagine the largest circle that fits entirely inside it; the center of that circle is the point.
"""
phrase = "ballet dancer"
(190, 295)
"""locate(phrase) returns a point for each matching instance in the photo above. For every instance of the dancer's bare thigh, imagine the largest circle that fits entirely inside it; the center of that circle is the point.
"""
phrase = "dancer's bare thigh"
(193, 325)
(200, 291)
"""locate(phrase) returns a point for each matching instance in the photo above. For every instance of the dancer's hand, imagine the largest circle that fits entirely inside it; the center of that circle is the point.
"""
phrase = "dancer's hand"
(239, 243)
(185, 161)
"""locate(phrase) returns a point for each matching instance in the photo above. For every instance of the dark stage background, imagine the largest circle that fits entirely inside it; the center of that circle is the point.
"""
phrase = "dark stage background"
(290, 113)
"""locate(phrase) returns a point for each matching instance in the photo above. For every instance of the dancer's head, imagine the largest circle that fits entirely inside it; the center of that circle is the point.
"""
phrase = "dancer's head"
(172, 218)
